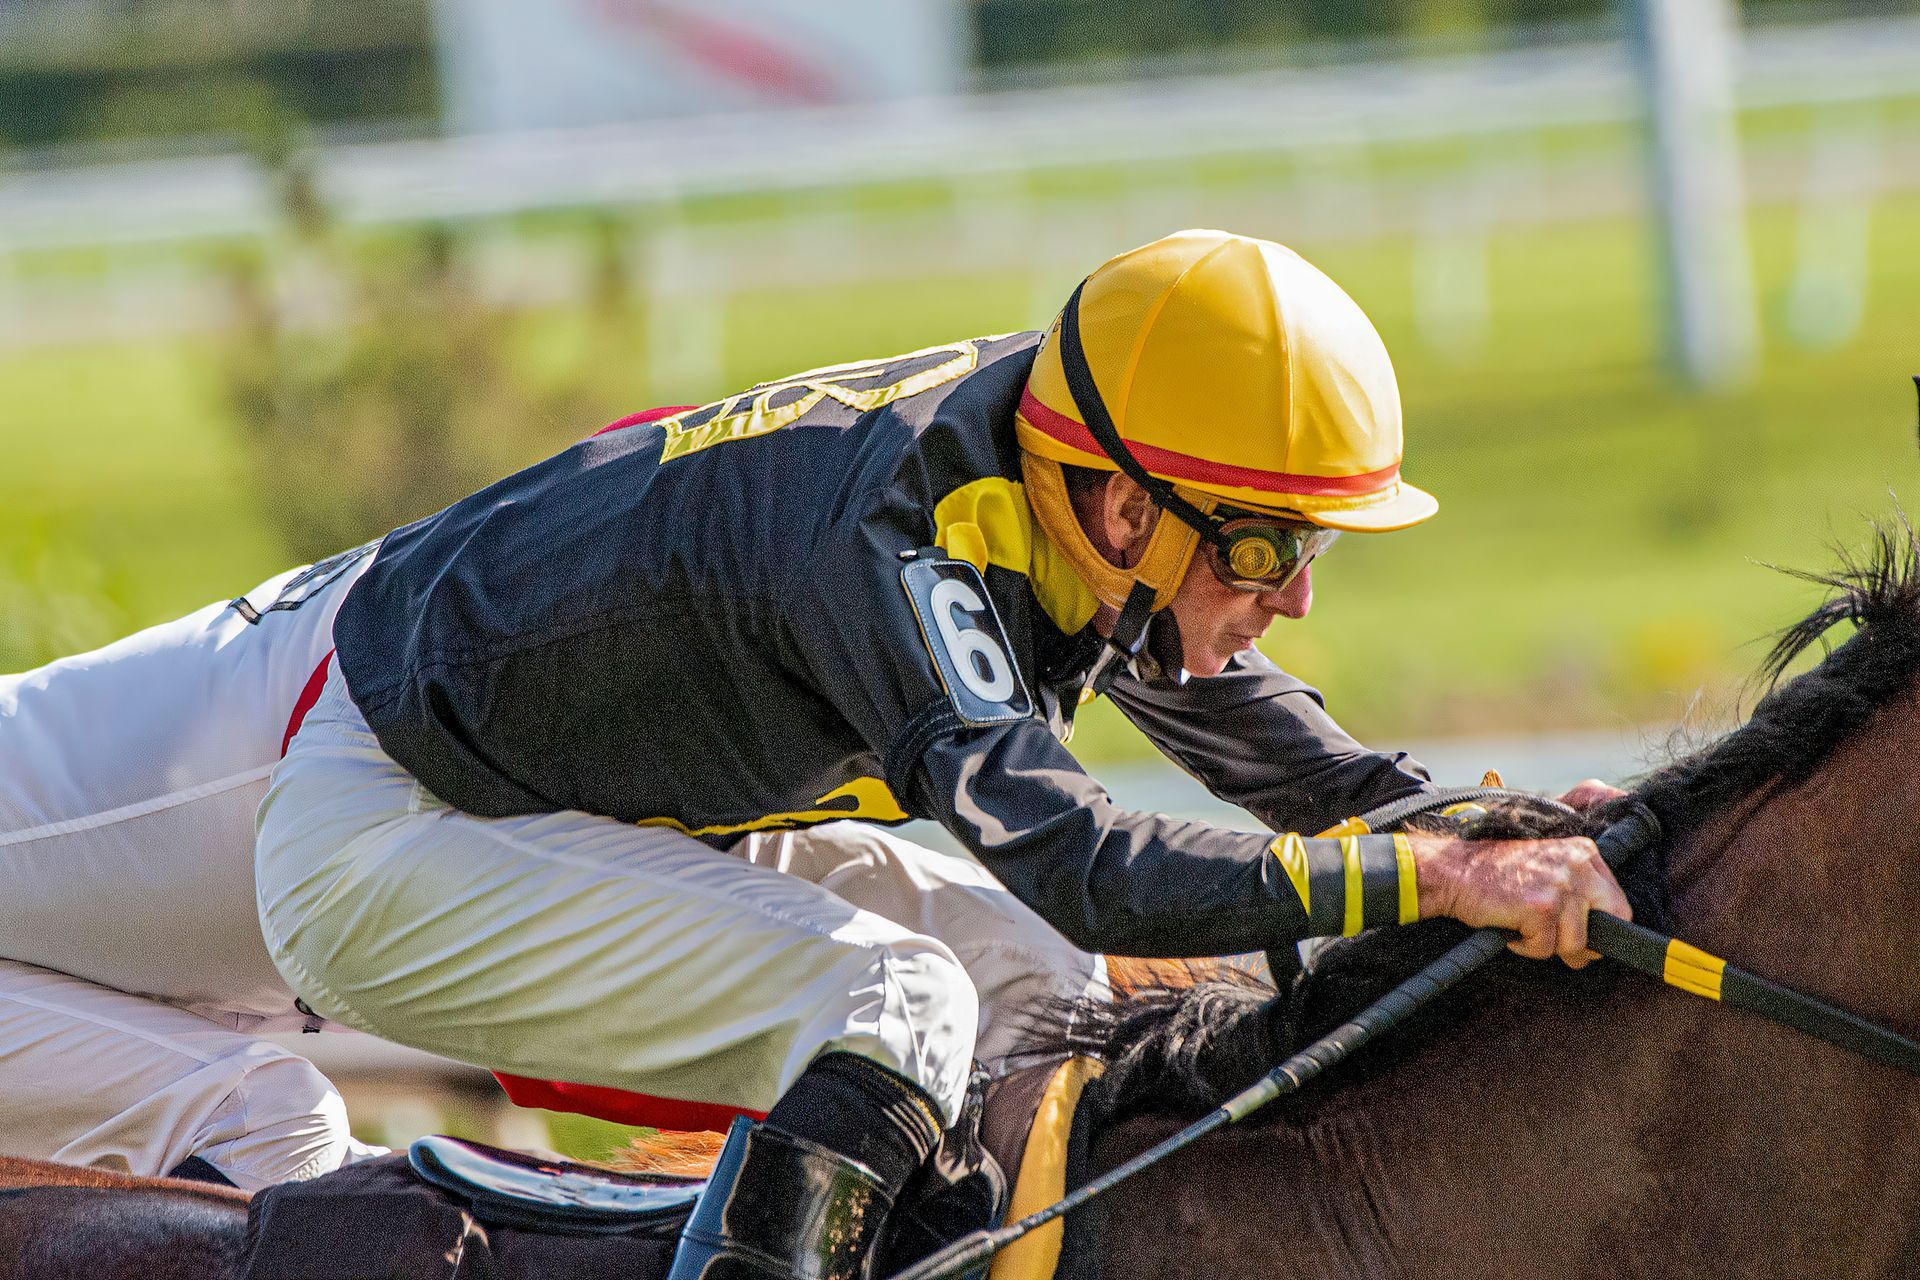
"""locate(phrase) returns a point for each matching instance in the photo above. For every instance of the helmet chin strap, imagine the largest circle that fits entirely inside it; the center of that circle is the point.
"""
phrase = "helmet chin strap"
(1099, 424)
(1142, 637)
(1145, 633)
(1126, 640)
(1165, 649)
(1130, 632)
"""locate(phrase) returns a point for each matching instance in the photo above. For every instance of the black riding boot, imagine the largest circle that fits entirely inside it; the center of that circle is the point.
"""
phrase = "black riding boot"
(803, 1195)
(781, 1206)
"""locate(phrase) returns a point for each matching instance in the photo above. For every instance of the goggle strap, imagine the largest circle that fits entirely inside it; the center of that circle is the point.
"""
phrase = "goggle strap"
(1093, 412)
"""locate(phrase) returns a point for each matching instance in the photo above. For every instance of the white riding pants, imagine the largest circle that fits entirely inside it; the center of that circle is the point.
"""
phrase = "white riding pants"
(575, 947)
(93, 1076)
(133, 967)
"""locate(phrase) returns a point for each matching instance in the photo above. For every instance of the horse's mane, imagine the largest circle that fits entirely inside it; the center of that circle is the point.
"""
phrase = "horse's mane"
(1795, 726)
(1184, 1048)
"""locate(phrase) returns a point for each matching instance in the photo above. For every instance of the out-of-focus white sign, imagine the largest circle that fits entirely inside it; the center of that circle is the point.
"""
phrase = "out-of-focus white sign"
(516, 64)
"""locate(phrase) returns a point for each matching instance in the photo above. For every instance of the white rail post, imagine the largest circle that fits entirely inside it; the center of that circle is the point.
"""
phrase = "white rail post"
(1452, 284)
(688, 291)
(1683, 50)
(1827, 298)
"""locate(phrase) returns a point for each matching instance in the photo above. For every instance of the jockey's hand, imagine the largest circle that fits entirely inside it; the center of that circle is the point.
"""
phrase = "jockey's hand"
(1585, 795)
(1542, 889)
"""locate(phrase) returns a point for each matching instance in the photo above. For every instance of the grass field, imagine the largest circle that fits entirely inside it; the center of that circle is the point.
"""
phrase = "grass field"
(1593, 562)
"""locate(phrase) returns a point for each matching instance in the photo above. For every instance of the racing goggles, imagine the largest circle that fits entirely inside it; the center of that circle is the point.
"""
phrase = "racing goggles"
(1259, 553)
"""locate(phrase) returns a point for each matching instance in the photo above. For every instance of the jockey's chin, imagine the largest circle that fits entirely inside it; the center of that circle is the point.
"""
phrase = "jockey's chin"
(1217, 621)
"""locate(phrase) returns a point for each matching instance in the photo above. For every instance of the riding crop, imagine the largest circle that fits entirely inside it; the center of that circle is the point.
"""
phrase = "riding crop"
(1633, 832)
(1690, 969)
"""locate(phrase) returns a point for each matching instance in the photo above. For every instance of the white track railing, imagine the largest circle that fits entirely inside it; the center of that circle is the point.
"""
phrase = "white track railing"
(1138, 123)
(1307, 134)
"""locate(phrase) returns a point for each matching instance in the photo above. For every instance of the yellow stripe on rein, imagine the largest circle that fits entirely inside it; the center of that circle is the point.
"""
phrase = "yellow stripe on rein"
(1351, 923)
(1691, 969)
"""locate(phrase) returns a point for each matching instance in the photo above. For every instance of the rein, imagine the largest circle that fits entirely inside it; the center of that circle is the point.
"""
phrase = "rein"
(1674, 962)
(1690, 969)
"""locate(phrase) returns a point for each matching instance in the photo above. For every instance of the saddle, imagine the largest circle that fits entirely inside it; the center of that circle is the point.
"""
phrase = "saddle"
(514, 1189)
(452, 1209)
(379, 1220)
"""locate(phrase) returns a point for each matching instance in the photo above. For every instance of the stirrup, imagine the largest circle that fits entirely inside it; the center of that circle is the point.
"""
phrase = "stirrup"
(777, 1207)
(960, 1189)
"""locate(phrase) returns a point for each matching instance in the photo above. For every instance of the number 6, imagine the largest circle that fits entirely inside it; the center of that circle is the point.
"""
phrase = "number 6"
(979, 662)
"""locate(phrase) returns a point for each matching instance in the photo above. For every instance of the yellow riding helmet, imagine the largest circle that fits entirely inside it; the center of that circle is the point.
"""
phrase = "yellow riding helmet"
(1233, 371)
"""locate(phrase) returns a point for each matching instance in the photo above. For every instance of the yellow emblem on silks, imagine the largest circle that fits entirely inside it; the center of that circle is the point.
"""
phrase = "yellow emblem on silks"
(860, 385)
(870, 796)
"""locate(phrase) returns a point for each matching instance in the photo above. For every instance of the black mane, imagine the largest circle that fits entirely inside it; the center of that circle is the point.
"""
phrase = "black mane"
(1795, 726)
(1184, 1050)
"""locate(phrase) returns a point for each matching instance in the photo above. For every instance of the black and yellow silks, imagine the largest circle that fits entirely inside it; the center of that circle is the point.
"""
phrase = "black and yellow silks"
(709, 622)
(1364, 881)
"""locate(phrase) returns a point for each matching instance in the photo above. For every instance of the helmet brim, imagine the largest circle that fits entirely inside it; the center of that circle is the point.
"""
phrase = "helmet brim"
(1399, 506)
(1407, 507)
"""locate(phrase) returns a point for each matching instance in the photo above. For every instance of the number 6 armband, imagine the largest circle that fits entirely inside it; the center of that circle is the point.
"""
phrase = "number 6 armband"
(966, 641)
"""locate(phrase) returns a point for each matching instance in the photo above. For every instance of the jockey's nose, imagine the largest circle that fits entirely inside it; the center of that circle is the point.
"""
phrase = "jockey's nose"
(1294, 599)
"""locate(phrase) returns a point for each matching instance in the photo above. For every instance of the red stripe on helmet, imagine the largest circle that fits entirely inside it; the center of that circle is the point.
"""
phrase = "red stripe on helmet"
(1181, 466)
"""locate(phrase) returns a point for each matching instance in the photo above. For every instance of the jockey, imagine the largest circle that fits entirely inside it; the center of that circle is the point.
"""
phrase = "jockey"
(510, 829)
(567, 802)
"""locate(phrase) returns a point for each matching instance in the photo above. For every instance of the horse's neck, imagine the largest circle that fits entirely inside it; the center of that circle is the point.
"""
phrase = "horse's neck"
(1647, 1134)
(1642, 1132)
(1817, 885)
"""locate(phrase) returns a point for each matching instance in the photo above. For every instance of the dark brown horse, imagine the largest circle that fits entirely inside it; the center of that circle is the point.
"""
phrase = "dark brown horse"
(59, 1222)
(1543, 1122)
(1535, 1122)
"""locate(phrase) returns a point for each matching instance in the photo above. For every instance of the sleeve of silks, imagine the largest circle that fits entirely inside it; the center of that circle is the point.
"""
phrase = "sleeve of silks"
(1261, 739)
(1107, 878)
(1145, 884)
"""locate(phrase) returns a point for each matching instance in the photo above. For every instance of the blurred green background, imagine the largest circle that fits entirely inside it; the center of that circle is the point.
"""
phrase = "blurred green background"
(1596, 561)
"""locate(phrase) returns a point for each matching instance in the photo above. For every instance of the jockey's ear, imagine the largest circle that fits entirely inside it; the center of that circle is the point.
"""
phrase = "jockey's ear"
(1111, 510)
(1127, 517)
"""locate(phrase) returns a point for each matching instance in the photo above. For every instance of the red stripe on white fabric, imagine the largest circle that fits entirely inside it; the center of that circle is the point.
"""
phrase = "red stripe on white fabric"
(645, 415)
(304, 703)
(1181, 466)
(315, 682)
(620, 1106)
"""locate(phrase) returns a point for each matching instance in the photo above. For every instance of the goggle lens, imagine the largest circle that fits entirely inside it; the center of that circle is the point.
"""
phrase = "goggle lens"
(1258, 554)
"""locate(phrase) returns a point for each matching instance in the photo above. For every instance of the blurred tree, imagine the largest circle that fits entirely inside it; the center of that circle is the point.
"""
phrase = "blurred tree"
(87, 70)
(375, 383)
